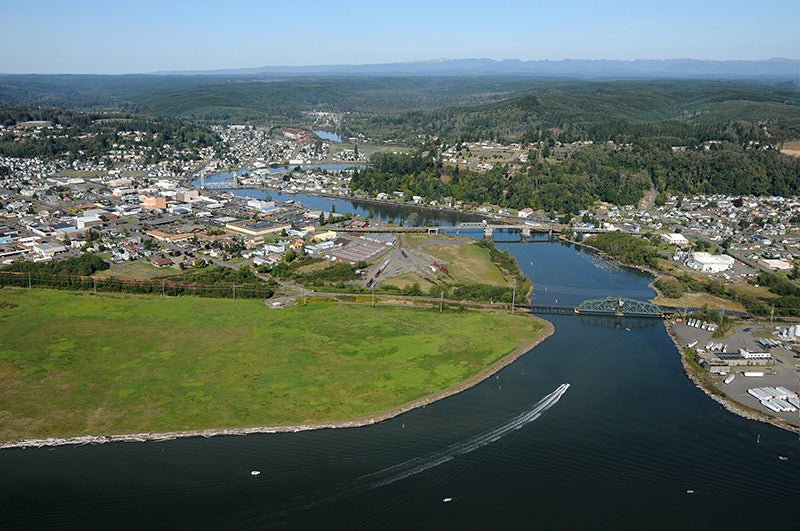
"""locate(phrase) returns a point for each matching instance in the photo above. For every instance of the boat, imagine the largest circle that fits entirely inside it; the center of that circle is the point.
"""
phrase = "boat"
(255, 472)
(690, 491)
(730, 378)
(783, 458)
(447, 500)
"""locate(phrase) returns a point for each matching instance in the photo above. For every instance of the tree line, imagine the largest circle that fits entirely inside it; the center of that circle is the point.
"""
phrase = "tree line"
(76, 274)
(596, 173)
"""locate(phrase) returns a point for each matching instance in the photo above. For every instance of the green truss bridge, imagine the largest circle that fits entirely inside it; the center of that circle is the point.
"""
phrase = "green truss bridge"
(612, 306)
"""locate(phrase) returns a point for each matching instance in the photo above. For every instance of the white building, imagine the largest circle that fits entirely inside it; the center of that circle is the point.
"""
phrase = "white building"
(46, 250)
(710, 263)
(675, 239)
(261, 205)
(777, 265)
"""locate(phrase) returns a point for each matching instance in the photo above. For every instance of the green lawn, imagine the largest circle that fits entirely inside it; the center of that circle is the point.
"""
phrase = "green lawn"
(75, 363)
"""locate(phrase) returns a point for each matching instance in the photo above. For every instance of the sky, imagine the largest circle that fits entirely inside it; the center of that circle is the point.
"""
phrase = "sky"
(142, 36)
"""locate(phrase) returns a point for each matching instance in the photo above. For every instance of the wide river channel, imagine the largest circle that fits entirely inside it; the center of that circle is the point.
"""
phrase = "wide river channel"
(631, 444)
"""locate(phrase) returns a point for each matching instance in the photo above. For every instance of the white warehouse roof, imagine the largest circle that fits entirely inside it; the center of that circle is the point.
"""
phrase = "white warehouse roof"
(713, 263)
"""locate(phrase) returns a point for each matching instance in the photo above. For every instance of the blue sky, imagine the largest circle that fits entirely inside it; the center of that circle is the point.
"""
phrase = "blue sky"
(132, 36)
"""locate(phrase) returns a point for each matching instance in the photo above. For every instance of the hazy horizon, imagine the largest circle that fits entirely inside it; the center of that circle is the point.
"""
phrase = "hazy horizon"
(148, 36)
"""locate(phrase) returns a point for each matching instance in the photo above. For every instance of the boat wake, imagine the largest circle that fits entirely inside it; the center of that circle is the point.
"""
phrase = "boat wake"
(420, 464)
(417, 465)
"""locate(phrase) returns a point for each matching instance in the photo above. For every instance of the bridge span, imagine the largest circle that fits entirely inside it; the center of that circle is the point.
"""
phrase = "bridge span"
(610, 306)
(487, 228)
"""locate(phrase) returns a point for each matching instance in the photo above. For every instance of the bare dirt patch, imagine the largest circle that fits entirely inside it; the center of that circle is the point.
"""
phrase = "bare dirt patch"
(792, 148)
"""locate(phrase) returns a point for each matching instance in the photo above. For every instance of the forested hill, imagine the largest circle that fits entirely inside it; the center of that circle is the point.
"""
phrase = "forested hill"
(666, 111)
(72, 135)
(601, 172)
(404, 107)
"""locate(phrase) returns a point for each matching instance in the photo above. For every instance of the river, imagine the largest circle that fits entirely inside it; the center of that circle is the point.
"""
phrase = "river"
(631, 444)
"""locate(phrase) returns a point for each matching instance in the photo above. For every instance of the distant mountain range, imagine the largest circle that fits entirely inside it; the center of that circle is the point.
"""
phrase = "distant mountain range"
(777, 68)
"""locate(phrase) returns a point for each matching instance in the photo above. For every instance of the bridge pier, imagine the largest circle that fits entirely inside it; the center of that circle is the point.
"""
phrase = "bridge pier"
(488, 233)
(525, 234)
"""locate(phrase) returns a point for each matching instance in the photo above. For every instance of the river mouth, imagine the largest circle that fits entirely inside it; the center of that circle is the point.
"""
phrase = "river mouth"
(622, 446)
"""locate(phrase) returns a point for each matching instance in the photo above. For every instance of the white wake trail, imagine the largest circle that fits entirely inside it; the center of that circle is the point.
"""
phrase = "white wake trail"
(414, 466)
(417, 465)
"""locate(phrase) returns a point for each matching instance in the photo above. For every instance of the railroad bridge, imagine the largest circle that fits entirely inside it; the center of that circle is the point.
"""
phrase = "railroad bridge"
(611, 306)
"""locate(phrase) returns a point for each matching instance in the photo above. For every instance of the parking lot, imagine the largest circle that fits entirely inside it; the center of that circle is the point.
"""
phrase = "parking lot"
(783, 372)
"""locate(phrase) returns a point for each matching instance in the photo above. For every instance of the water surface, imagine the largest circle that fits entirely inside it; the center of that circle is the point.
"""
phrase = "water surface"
(632, 444)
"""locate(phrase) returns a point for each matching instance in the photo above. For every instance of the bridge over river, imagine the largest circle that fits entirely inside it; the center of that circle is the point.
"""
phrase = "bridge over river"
(488, 229)
(611, 306)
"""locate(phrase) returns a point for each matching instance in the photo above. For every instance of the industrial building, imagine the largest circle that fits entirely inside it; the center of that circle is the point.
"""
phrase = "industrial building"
(710, 263)
(675, 239)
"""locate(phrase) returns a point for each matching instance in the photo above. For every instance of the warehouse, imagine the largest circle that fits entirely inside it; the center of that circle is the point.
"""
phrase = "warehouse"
(710, 263)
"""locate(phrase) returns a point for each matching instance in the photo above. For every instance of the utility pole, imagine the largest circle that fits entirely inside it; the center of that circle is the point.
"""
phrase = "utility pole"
(441, 300)
(29, 280)
(686, 307)
(234, 290)
(772, 314)
(514, 295)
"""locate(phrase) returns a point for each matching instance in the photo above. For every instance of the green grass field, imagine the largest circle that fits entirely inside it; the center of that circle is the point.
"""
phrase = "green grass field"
(75, 363)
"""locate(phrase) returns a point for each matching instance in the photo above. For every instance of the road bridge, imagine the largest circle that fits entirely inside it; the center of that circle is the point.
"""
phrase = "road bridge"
(487, 228)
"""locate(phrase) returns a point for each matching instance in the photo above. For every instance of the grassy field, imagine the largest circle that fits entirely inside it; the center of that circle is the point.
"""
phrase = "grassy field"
(698, 300)
(407, 280)
(137, 270)
(77, 363)
(468, 263)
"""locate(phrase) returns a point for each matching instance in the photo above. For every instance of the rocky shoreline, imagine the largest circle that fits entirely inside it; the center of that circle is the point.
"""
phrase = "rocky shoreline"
(548, 330)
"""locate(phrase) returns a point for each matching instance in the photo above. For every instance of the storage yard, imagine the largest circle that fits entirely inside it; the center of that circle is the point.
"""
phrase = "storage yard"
(758, 365)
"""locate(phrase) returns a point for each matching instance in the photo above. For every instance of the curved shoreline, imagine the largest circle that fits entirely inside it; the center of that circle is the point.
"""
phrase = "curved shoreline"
(722, 399)
(470, 382)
